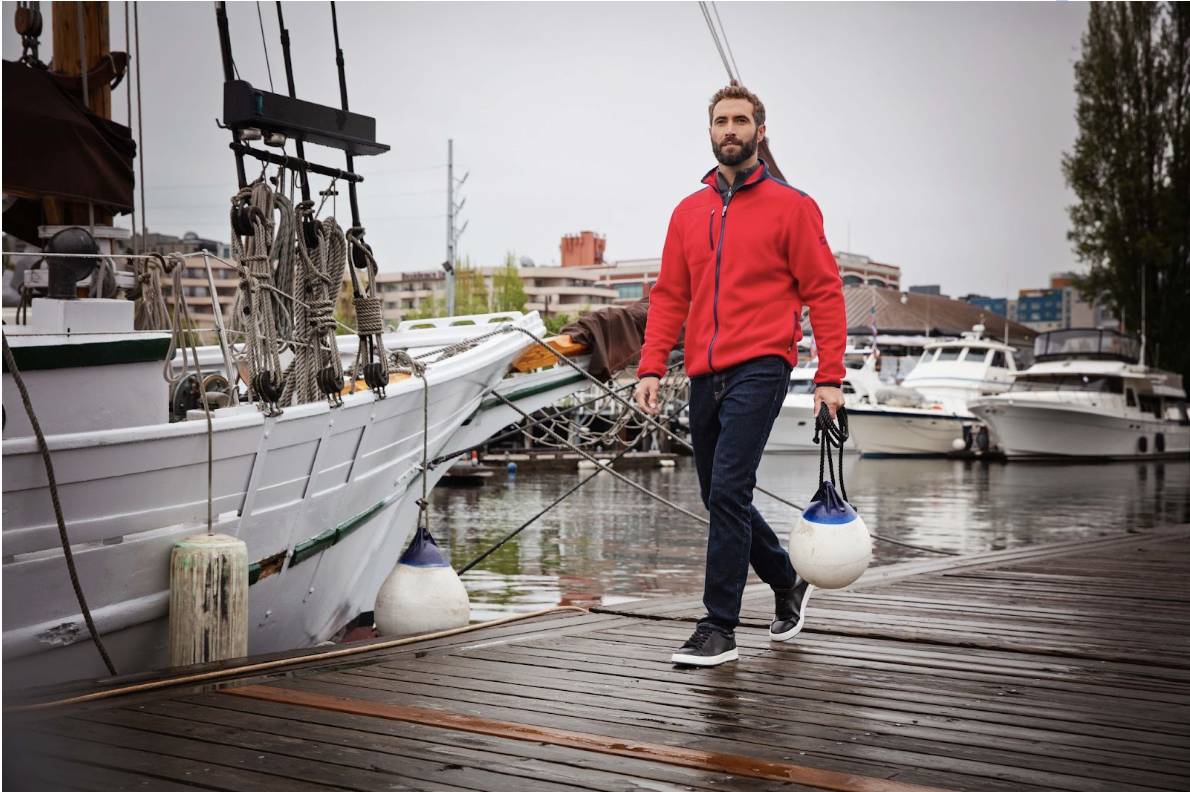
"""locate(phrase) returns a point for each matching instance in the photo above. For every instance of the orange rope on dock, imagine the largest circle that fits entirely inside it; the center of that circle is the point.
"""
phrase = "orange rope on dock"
(211, 676)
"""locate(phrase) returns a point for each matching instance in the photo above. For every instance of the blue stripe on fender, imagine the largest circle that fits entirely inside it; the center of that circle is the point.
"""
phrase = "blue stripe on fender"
(822, 514)
(423, 551)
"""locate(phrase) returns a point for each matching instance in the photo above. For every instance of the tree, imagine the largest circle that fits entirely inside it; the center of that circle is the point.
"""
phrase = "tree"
(1130, 170)
(471, 293)
(508, 290)
(554, 324)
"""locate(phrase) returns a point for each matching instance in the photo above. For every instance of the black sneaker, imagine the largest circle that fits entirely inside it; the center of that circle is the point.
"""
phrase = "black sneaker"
(791, 611)
(707, 647)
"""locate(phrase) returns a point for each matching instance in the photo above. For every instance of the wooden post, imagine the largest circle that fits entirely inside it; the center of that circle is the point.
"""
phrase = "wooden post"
(208, 599)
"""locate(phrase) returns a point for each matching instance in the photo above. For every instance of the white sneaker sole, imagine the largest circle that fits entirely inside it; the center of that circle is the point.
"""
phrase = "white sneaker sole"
(714, 660)
(797, 628)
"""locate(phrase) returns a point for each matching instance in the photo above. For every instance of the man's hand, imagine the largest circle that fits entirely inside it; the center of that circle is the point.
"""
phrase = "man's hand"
(646, 395)
(831, 397)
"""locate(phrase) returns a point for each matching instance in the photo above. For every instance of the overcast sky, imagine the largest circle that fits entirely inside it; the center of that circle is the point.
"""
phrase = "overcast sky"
(930, 135)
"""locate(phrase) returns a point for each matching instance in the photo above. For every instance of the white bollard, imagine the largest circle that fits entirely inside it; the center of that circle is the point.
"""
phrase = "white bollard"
(422, 594)
(208, 599)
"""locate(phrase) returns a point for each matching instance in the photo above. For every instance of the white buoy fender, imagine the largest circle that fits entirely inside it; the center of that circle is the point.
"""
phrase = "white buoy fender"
(423, 593)
(829, 545)
(208, 599)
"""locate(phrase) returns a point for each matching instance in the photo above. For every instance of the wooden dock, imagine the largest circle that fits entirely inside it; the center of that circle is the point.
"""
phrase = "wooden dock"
(1059, 667)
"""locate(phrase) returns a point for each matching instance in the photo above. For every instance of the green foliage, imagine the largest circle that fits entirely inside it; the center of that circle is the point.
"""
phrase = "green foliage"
(471, 293)
(1130, 170)
(429, 308)
(508, 290)
(554, 324)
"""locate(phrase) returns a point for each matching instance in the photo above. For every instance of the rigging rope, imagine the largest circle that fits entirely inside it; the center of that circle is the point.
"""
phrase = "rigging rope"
(726, 43)
(316, 369)
(715, 37)
(371, 361)
(252, 208)
(265, 44)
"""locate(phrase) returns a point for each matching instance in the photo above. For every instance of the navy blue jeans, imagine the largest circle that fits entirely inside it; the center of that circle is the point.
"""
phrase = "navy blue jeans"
(731, 415)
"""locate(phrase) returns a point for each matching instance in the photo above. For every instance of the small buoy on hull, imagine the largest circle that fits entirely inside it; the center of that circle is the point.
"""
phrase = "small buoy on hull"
(829, 544)
(208, 599)
(586, 464)
(423, 593)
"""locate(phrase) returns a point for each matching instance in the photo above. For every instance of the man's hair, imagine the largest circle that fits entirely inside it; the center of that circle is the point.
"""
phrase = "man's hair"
(738, 92)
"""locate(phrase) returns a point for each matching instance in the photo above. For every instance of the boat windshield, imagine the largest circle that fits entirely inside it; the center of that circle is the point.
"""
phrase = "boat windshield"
(853, 362)
(1087, 383)
(949, 353)
(1103, 344)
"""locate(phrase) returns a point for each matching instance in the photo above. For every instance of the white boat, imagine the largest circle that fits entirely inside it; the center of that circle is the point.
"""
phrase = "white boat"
(952, 372)
(928, 415)
(1089, 395)
(793, 431)
(325, 497)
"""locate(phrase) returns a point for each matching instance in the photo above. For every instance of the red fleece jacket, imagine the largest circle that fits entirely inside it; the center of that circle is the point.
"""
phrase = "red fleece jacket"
(738, 277)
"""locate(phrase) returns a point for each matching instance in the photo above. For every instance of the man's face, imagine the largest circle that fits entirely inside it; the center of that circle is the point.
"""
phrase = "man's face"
(734, 134)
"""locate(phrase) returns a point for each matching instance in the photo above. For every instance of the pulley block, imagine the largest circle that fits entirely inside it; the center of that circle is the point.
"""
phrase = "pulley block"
(328, 381)
(268, 387)
(375, 379)
(360, 253)
(310, 231)
(241, 218)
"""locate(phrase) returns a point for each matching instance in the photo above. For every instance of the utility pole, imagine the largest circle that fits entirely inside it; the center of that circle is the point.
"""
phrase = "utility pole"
(452, 234)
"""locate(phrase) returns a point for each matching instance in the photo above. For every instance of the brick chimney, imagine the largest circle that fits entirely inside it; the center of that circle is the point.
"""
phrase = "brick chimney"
(583, 250)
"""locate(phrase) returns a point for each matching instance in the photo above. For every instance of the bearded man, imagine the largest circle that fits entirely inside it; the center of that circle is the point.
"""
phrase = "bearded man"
(741, 258)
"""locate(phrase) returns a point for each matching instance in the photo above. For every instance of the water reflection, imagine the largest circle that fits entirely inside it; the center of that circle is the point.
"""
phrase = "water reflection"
(609, 543)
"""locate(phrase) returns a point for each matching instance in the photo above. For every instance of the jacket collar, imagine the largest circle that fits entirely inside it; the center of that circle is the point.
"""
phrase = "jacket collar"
(760, 174)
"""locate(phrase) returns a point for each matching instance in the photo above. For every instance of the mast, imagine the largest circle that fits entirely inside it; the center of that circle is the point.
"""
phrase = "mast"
(80, 43)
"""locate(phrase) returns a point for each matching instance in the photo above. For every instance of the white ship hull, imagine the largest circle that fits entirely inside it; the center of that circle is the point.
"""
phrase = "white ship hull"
(881, 431)
(324, 498)
(1040, 429)
(793, 431)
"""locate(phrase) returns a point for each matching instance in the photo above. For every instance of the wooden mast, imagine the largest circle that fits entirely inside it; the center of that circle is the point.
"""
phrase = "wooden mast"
(71, 61)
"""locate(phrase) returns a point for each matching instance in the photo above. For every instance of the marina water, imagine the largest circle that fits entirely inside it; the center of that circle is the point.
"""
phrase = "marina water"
(609, 543)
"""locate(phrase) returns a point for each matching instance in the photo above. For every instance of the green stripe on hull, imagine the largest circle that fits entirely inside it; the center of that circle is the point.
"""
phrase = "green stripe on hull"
(103, 353)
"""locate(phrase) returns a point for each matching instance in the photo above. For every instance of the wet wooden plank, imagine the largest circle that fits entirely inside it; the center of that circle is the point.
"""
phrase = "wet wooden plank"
(581, 768)
(527, 698)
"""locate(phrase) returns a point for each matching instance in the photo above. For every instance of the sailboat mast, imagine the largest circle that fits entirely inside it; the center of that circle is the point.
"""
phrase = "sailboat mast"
(81, 42)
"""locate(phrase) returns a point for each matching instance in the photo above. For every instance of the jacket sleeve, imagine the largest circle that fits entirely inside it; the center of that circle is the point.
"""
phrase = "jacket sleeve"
(821, 288)
(669, 304)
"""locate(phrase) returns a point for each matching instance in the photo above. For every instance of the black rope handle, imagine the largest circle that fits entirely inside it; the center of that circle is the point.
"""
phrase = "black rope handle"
(827, 435)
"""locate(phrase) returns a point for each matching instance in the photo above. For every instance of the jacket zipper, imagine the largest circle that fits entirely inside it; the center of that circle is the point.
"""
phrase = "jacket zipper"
(715, 303)
(793, 335)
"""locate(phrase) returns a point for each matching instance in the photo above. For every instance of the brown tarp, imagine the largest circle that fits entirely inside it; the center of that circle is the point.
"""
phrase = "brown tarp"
(614, 335)
(55, 148)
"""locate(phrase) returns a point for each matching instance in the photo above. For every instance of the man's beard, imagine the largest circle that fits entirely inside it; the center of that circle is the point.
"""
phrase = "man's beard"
(747, 149)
